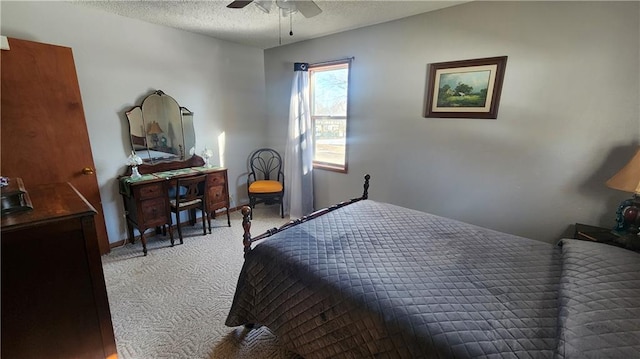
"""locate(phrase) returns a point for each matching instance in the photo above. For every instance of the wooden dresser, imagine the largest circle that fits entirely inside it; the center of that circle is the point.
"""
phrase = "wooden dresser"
(54, 300)
(146, 200)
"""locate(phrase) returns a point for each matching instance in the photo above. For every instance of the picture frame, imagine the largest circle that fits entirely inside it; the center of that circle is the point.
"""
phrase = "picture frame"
(465, 89)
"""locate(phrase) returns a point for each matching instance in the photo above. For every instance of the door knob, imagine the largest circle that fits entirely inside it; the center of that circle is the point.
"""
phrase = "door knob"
(87, 171)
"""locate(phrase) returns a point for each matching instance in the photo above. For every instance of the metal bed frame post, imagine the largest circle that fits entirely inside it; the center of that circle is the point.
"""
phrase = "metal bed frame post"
(246, 218)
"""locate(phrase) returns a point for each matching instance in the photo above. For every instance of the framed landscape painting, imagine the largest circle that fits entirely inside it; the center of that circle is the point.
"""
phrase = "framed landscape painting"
(465, 89)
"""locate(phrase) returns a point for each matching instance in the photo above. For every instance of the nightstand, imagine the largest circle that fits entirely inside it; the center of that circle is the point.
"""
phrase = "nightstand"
(606, 235)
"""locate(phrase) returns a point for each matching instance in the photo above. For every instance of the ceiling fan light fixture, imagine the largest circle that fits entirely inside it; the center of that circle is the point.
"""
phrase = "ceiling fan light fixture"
(307, 8)
(286, 4)
(287, 12)
(264, 5)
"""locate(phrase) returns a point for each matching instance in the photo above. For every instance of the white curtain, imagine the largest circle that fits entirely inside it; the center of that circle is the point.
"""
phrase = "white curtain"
(298, 156)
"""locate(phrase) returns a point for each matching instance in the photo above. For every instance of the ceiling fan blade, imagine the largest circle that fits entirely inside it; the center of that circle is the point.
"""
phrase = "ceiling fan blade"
(238, 4)
(307, 8)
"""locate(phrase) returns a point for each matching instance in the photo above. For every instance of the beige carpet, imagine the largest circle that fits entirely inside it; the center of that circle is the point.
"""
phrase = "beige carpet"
(173, 303)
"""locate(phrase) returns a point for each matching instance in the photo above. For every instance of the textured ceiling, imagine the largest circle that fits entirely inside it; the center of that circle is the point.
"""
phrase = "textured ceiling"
(253, 27)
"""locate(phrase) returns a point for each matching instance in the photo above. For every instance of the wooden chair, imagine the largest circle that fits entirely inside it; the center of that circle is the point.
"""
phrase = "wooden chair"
(190, 195)
(265, 182)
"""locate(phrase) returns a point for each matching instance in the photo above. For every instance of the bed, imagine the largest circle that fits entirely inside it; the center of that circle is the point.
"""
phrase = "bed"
(139, 144)
(371, 279)
(156, 155)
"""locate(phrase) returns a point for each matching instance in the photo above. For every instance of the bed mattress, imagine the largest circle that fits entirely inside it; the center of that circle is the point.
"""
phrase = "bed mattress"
(377, 280)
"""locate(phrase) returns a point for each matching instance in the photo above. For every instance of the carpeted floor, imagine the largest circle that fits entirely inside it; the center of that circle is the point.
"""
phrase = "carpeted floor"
(173, 302)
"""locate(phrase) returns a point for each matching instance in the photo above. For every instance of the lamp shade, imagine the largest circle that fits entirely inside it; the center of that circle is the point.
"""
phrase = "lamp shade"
(134, 159)
(628, 178)
(154, 128)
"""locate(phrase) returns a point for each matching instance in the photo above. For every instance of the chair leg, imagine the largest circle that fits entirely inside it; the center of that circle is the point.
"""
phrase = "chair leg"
(179, 230)
(192, 216)
(204, 222)
(208, 221)
(171, 231)
(228, 218)
(281, 208)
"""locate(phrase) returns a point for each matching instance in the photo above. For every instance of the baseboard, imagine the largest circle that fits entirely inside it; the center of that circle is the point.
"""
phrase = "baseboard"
(117, 244)
(121, 242)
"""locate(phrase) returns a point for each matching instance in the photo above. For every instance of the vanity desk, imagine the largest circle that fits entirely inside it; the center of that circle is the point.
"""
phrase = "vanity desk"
(146, 199)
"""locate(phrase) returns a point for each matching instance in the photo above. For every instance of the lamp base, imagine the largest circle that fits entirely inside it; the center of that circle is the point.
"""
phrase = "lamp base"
(135, 174)
(628, 216)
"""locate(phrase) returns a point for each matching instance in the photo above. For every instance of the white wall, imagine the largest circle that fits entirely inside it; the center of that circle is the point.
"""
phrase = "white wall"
(568, 119)
(120, 60)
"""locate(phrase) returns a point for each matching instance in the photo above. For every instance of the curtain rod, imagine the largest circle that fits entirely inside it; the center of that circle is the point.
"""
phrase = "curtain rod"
(333, 61)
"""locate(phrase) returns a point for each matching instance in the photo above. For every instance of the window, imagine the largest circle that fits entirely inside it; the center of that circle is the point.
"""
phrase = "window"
(329, 85)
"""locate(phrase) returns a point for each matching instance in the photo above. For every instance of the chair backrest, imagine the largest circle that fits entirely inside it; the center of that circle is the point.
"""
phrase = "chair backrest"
(266, 164)
(194, 189)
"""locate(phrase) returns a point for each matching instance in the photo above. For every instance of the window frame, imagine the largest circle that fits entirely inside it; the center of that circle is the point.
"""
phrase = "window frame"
(326, 66)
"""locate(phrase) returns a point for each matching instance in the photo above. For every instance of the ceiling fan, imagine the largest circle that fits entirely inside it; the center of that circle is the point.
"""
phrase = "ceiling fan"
(306, 7)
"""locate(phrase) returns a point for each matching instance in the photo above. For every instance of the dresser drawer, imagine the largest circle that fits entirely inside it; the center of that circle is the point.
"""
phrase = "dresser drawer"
(215, 179)
(217, 197)
(154, 212)
(151, 190)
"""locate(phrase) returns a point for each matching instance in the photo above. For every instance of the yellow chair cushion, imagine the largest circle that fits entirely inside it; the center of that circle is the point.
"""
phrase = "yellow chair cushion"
(263, 186)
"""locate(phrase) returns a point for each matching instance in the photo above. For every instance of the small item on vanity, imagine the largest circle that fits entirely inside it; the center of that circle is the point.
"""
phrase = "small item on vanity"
(14, 196)
(135, 174)
(134, 161)
(207, 154)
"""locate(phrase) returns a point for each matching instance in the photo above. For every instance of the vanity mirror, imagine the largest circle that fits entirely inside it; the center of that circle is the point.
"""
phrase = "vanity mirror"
(161, 130)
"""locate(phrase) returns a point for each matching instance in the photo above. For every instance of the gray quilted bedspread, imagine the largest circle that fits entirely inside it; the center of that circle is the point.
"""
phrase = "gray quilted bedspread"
(599, 301)
(378, 280)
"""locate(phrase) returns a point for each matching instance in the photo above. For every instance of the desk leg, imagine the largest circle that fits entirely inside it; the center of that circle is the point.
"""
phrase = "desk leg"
(131, 237)
(144, 243)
